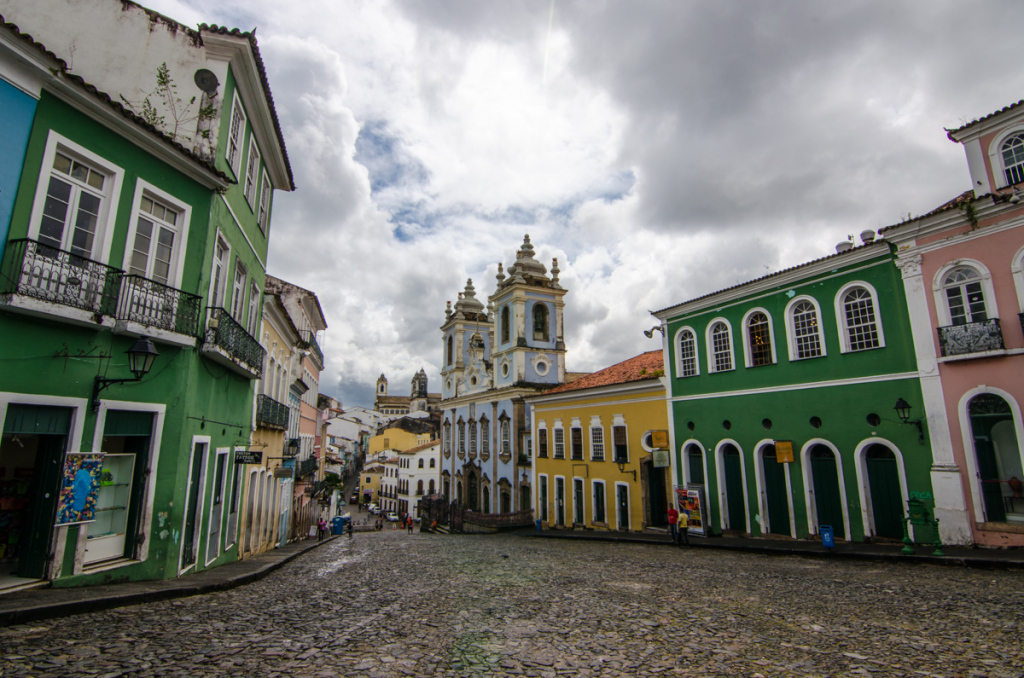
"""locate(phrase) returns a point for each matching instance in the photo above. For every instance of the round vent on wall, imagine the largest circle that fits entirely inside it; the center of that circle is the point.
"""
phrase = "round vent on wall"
(206, 81)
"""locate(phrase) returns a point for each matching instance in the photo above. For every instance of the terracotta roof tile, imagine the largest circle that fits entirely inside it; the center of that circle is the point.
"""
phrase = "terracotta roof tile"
(956, 203)
(639, 368)
(950, 132)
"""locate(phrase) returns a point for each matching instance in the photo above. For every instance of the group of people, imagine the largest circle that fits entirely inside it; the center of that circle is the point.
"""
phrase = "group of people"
(322, 528)
(679, 526)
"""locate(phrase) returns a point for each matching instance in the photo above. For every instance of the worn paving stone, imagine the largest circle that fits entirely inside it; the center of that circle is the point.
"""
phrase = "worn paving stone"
(393, 604)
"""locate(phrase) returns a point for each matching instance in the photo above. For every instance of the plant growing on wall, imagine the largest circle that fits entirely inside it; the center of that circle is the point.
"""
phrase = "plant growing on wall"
(166, 97)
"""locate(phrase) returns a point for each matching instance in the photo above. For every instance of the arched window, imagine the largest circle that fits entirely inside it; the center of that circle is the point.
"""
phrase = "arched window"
(806, 331)
(687, 358)
(860, 320)
(964, 296)
(759, 339)
(506, 440)
(485, 436)
(721, 348)
(421, 462)
(472, 437)
(540, 322)
(447, 435)
(419, 486)
(504, 325)
(432, 462)
(461, 444)
(430, 487)
(451, 352)
(1013, 158)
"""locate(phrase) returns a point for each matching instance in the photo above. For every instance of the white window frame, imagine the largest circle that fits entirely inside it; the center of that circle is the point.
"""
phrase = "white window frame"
(543, 490)
(224, 498)
(748, 358)
(619, 421)
(995, 155)
(842, 320)
(218, 289)
(939, 289)
(791, 328)
(558, 432)
(1017, 271)
(254, 309)
(576, 425)
(238, 291)
(263, 213)
(598, 486)
(105, 222)
(146, 189)
(543, 426)
(579, 511)
(708, 338)
(595, 425)
(236, 136)
(506, 436)
(679, 353)
(252, 172)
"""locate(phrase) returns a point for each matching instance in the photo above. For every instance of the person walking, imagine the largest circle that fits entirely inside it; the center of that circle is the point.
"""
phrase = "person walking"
(350, 530)
(684, 528)
(673, 526)
(321, 529)
(408, 523)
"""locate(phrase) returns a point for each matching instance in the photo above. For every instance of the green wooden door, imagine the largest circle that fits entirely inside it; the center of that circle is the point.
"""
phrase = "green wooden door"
(776, 496)
(734, 489)
(886, 500)
(696, 461)
(826, 490)
(988, 468)
(657, 502)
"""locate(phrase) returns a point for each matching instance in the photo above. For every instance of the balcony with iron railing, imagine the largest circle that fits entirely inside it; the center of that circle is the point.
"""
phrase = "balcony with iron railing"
(227, 343)
(308, 341)
(270, 413)
(307, 466)
(982, 337)
(39, 279)
(147, 307)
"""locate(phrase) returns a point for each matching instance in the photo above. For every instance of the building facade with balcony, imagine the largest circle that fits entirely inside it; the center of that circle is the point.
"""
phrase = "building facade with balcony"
(419, 475)
(963, 268)
(781, 401)
(126, 228)
(593, 457)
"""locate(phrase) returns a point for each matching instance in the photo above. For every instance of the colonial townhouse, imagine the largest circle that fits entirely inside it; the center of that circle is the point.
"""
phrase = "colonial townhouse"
(492, 360)
(419, 474)
(596, 464)
(130, 284)
(390, 484)
(783, 395)
(963, 270)
(300, 447)
(370, 483)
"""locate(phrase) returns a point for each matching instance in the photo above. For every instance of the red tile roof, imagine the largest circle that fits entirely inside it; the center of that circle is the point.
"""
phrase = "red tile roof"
(956, 203)
(641, 368)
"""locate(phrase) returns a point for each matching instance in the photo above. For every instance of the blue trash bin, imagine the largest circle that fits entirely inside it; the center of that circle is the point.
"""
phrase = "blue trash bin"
(338, 525)
(828, 536)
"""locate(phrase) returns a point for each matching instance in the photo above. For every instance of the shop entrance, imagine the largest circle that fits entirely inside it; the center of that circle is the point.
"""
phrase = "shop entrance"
(31, 458)
(776, 495)
(657, 503)
(734, 488)
(825, 477)
(886, 499)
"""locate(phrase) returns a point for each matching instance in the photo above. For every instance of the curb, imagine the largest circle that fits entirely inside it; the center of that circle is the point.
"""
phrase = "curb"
(175, 589)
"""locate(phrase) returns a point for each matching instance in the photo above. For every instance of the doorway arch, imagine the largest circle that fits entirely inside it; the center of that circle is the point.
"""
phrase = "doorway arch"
(825, 485)
(883, 488)
(732, 487)
(774, 491)
(992, 442)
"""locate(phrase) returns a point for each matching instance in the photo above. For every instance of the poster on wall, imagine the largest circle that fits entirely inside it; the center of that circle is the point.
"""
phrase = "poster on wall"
(79, 488)
(691, 500)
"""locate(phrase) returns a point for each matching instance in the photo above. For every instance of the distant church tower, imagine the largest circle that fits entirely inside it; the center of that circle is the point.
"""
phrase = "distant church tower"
(382, 385)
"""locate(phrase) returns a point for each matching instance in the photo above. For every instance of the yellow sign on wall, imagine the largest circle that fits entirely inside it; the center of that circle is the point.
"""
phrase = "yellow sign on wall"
(784, 451)
(659, 439)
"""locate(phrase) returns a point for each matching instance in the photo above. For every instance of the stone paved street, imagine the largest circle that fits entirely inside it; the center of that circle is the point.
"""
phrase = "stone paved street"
(393, 604)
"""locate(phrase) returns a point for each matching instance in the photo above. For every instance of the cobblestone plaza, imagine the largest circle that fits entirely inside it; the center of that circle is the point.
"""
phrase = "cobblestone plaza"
(394, 604)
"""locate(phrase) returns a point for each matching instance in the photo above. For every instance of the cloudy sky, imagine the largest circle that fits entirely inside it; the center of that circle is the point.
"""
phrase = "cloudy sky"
(660, 149)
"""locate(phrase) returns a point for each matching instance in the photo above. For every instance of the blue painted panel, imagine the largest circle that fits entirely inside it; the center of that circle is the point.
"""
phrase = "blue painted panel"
(17, 111)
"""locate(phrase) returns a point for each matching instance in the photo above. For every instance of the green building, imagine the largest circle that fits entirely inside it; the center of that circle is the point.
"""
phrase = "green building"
(131, 237)
(807, 362)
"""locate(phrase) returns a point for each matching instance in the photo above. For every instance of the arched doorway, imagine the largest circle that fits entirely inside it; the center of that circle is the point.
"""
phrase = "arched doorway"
(884, 488)
(695, 464)
(472, 487)
(775, 492)
(736, 518)
(487, 500)
(825, 485)
(997, 451)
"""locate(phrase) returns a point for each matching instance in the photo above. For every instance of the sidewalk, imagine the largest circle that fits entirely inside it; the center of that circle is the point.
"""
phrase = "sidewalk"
(19, 607)
(997, 559)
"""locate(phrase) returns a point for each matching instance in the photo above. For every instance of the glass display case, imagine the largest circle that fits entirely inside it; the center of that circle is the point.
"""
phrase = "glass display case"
(107, 533)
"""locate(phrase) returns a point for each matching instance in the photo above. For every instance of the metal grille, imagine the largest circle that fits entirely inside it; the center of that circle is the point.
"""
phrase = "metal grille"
(722, 347)
(760, 337)
(271, 413)
(805, 330)
(49, 274)
(225, 333)
(153, 304)
(861, 328)
(978, 337)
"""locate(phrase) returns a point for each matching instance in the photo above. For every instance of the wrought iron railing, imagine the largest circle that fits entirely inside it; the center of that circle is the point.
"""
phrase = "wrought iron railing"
(309, 341)
(40, 271)
(976, 337)
(308, 466)
(270, 413)
(153, 304)
(223, 331)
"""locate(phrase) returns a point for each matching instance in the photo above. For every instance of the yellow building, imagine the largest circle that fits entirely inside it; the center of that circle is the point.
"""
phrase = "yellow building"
(595, 462)
(396, 439)
(369, 484)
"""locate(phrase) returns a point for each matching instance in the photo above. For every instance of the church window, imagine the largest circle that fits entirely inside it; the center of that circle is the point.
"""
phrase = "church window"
(506, 438)
(462, 437)
(451, 349)
(447, 435)
(540, 322)
(472, 437)
(485, 436)
(504, 325)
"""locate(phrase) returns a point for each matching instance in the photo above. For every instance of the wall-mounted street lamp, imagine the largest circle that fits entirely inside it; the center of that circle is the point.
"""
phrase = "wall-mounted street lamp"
(140, 361)
(622, 468)
(903, 412)
(657, 328)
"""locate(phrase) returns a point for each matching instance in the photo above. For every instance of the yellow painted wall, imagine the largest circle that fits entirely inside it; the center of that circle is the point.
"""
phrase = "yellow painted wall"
(370, 480)
(642, 411)
(395, 439)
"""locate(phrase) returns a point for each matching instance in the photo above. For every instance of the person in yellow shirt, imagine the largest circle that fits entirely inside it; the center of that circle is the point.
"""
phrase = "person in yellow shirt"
(684, 528)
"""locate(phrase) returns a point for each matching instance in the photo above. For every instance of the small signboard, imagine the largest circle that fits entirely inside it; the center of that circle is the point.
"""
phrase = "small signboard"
(659, 439)
(660, 458)
(784, 451)
(282, 472)
(248, 457)
(691, 500)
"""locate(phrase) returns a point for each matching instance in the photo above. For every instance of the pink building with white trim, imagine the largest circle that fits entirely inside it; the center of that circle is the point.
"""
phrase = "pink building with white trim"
(963, 270)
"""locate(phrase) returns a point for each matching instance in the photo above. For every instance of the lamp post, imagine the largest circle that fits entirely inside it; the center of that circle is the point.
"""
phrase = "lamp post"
(141, 356)
(903, 412)
(622, 469)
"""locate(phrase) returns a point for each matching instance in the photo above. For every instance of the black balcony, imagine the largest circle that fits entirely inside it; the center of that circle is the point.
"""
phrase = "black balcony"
(159, 306)
(270, 413)
(227, 342)
(977, 337)
(308, 466)
(308, 341)
(36, 271)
